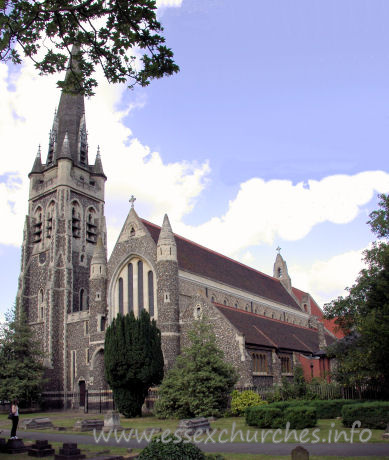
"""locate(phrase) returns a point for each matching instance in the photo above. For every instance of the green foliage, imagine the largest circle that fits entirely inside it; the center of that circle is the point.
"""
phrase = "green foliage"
(241, 400)
(324, 408)
(371, 415)
(172, 450)
(21, 370)
(110, 35)
(200, 381)
(292, 389)
(277, 415)
(133, 360)
(363, 315)
(265, 417)
(300, 417)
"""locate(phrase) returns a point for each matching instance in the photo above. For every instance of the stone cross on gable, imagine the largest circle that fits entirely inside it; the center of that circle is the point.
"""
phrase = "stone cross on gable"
(278, 249)
(132, 200)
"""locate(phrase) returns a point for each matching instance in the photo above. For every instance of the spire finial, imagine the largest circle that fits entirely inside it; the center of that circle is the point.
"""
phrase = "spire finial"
(38, 155)
(98, 152)
(132, 200)
(278, 249)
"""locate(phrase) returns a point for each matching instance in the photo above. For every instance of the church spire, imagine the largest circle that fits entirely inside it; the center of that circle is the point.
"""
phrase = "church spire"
(70, 120)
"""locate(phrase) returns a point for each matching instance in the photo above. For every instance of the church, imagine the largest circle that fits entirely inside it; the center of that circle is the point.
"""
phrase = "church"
(71, 292)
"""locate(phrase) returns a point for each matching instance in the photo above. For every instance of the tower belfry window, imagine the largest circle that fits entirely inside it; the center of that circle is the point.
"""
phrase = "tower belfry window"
(37, 226)
(279, 272)
(76, 220)
(91, 227)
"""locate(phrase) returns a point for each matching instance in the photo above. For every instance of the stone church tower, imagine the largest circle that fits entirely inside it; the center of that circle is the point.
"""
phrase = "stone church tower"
(64, 235)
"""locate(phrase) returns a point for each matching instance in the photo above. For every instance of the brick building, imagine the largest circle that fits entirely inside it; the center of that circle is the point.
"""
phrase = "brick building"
(71, 292)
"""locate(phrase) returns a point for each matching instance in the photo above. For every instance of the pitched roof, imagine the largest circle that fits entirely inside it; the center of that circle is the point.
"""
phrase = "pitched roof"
(201, 261)
(267, 332)
(329, 324)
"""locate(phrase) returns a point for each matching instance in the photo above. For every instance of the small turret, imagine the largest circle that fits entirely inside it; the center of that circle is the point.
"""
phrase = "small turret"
(166, 247)
(37, 167)
(98, 267)
(98, 166)
(280, 271)
(168, 293)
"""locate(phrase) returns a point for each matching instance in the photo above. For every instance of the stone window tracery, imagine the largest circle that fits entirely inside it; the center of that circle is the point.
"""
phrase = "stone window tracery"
(37, 225)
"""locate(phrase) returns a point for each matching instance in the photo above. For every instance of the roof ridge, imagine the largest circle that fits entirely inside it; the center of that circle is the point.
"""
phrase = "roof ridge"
(262, 316)
(215, 252)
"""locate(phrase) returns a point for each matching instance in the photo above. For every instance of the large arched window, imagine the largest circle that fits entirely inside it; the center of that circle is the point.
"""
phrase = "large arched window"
(76, 220)
(150, 287)
(121, 296)
(133, 288)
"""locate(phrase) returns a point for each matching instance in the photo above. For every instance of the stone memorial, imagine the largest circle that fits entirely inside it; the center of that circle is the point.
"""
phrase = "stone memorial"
(89, 425)
(69, 451)
(386, 434)
(39, 423)
(41, 449)
(2, 444)
(15, 446)
(112, 421)
(299, 453)
(194, 425)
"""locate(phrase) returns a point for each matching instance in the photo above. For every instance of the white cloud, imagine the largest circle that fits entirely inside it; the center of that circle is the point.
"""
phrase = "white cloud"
(263, 211)
(26, 115)
(327, 279)
(169, 3)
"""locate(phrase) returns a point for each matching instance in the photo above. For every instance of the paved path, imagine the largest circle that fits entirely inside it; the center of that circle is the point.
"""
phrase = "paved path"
(339, 449)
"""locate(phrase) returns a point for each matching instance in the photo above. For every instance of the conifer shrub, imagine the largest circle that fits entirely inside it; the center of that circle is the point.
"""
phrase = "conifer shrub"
(241, 400)
(371, 415)
(265, 417)
(161, 450)
(200, 382)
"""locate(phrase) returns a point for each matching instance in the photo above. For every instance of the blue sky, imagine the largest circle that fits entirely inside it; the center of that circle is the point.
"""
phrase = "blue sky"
(275, 132)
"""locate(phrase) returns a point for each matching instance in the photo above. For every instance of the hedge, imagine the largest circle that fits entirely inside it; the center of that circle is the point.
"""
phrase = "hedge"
(371, 415)
(159, 450)
(300, 417)
(275, 417)
(330, 408)
(264, 417)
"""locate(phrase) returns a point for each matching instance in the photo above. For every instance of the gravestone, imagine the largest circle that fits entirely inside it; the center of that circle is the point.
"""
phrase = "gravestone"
(89, 425)
(112, 421)
(2, 444)
(39, 423)
(194, 425)
(69, 451)
(15, 446)
(299, 453)
(41, 449)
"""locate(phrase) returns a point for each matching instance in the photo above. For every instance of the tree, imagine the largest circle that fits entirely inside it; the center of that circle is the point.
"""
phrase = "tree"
(200, 381)
(363, 314)
(121, 36)
(21, 369)
(133, 360)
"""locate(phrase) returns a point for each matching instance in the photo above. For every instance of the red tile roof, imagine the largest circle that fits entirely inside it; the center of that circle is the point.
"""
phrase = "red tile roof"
(329, 324)
(267, 332)
(201, 261)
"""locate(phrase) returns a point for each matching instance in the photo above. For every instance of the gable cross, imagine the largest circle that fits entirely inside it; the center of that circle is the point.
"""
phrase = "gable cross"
(278, 249)
(132, 200)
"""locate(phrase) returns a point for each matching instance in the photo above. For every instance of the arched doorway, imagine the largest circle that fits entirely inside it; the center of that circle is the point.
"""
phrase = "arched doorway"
(82, 390)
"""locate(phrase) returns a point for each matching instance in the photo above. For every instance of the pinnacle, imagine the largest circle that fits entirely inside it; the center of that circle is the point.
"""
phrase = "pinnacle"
(65, 151)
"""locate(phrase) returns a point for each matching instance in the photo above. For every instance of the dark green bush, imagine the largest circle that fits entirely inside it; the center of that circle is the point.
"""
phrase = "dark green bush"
(371, 415)
(158, 450)
(300, 417)
(283, 405)
(331, 408)
(264, 417)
